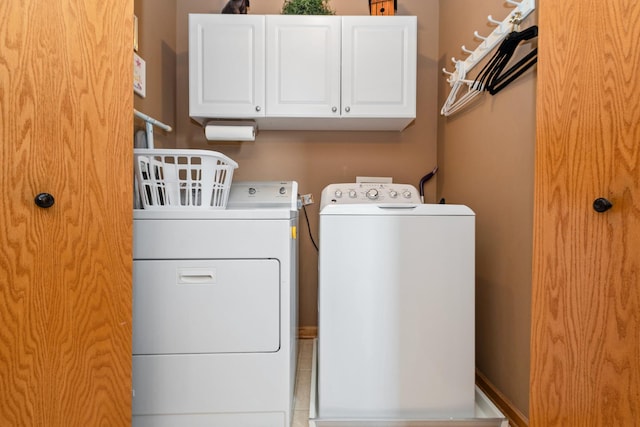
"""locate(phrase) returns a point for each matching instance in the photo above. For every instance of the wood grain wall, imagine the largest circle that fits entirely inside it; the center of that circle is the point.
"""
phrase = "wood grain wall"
(65, 272)
(585, 366)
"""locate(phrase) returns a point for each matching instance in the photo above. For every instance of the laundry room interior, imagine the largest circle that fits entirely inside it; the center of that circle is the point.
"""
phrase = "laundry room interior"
(484, 156)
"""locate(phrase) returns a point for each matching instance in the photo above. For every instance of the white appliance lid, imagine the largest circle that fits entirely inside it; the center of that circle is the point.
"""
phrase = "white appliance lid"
(387, 209)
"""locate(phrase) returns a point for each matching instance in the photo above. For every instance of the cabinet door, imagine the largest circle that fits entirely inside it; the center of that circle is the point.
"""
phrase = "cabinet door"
(226, 65)
(66, 120)
(303, 66)
(379, 66)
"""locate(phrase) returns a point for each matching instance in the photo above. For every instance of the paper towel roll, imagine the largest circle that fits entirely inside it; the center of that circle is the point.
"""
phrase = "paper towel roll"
(214, 132)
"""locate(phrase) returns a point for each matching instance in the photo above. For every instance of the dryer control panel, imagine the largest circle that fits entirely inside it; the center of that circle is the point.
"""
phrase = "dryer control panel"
(263, 195)
(369, 192)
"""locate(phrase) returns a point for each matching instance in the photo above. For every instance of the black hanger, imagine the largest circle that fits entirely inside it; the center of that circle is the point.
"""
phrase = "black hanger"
(490, 78)
(500, 82)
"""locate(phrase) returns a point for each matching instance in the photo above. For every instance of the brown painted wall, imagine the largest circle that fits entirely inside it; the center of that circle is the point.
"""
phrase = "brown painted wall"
(487, 156)
(315, 159)
(157, 46)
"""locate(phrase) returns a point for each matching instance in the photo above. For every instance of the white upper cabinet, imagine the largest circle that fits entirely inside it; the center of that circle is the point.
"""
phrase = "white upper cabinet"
(304, 72)
(379, 66)
(226, 66)
(303, 66)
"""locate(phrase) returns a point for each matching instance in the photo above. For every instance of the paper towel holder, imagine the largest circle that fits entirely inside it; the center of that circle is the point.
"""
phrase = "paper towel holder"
(230, 130)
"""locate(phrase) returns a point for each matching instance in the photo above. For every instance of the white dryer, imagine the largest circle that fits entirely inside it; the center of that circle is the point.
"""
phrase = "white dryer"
(215, 311)
(395, 305)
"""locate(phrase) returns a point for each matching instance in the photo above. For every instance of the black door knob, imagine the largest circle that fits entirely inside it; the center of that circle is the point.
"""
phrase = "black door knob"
(44, 200)
(601, 205)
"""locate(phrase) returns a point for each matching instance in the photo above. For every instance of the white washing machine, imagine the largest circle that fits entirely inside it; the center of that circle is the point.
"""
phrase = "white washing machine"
(215, 311)
(396, 305)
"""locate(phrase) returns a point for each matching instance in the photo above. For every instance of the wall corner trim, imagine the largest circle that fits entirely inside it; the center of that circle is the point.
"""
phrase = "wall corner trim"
(515, 416)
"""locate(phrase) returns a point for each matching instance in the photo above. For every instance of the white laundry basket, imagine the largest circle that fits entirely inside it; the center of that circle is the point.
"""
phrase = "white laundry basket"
(169, 179)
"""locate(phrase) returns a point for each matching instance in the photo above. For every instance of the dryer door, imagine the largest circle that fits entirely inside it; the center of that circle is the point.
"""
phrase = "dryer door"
(206, 306)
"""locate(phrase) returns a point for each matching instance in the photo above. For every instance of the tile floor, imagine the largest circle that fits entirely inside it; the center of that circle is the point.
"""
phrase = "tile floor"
(303, 384)
(488, 414)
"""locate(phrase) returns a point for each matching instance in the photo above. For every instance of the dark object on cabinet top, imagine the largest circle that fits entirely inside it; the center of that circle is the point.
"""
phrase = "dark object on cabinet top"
(236, 7)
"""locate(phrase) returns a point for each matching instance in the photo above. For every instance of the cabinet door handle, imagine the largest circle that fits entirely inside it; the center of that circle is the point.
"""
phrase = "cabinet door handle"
(602, 205)
(44, 200)
(334, 109)
(347, 109)
(258, 108)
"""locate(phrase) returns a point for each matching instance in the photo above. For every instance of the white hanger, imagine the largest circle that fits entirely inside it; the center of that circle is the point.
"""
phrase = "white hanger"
(454, 102)
(457, 79)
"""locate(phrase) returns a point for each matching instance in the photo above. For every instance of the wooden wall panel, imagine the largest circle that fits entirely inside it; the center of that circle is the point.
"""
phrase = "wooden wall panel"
(65, 272)
(585, 361)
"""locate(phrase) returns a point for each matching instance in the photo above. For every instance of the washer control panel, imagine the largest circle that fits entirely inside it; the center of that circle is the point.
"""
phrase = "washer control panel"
(365, 192)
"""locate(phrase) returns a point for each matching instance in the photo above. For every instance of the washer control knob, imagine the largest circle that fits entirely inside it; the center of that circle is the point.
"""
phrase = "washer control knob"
(406, 194)
(393, 194)
(252, 190)
(338, 194)
(282, 190)
(372, 194)
(353, 194)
